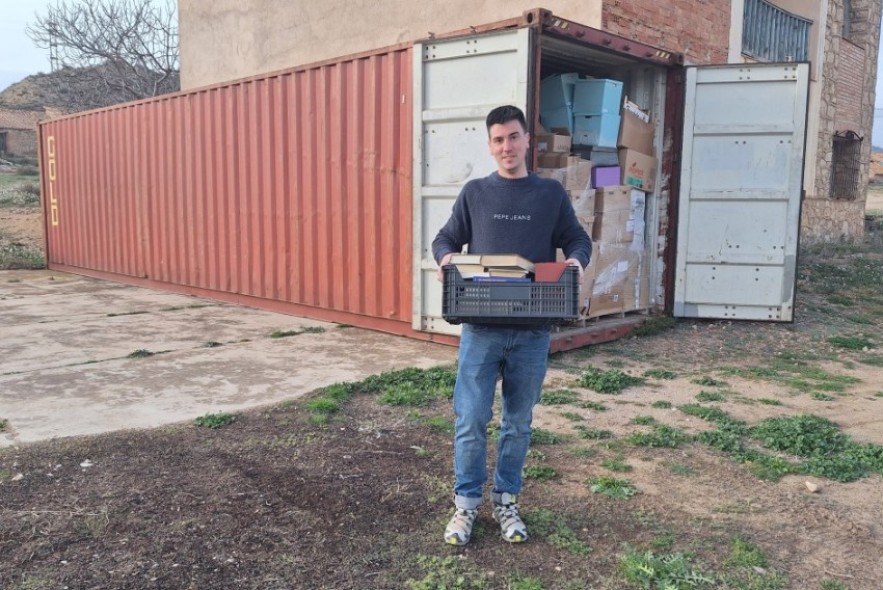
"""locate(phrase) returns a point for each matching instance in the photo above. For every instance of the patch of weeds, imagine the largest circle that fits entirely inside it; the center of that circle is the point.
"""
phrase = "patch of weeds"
(446, 573)
(573, 417)
(678, 468)
(660, 374)
(287, 333)
(874, 360)
(526, 583)
(140, 354)
(593, 433)
(851, 342)
(421, 452)
(716, 416)
(559, 397)
(822, 397)
(406, 394)
(661, 404)
(832, 585)
(212, 344)
(654, 326)
(861, 320)
(215, 421)
(613, 487)
(744, 554)
(769, 402)
(541, 436)
(540, 472)
(115, 315)
(710, 396)
(440, 424)
(612, 381)
(4, 424)
(706, 381)
(583, 452)
(322, 405)
(435, 382)
(643, 420)
(617, 464)
(826, 451)
(751, 572)
(837, 299)
(771, 468)
(597, 406)
(644, 569)
(662, 436)
(556, 530)
(17, 256)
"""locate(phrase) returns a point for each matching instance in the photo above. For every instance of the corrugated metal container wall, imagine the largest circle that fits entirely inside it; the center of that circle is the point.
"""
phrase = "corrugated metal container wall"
(294, 187)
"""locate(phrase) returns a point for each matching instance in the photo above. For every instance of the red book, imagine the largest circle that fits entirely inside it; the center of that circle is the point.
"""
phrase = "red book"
(548, 272)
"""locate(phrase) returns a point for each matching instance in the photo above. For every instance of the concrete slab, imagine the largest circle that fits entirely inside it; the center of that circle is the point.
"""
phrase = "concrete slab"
(65, 369)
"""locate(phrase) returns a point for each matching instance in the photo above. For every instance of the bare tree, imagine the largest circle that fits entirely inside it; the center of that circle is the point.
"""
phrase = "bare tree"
(110, 51)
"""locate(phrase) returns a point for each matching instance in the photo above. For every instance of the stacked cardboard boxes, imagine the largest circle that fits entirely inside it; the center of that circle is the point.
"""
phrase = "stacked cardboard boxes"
(555, 160)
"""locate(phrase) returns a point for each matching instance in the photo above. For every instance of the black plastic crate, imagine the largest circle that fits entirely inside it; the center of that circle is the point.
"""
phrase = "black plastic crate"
(492, 302)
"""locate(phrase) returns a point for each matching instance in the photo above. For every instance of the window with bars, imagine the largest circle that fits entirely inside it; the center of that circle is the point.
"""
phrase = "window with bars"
(846, 166)
(846, 31)
(772, 34)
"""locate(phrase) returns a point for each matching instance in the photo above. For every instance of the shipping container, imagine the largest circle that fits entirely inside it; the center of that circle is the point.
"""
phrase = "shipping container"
(317, 191)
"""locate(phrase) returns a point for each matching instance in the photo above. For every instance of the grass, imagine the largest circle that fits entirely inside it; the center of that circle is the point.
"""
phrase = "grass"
(710, 396)
(4, 424)
(662, 436)
(661, 404)
(645, 569)
(559, 397)
(616, 464)
(612, 381)
(140, 353)
(660, 374)
(590, 405)
(557, 529)
(851, 342)
(17, 256)
(654, 326)
(593, 433)
(215, 421)
(540, 472)
(613, 487)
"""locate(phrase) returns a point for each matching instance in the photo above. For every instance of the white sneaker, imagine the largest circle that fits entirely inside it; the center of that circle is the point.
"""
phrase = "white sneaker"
(459, 528)
(506, 513)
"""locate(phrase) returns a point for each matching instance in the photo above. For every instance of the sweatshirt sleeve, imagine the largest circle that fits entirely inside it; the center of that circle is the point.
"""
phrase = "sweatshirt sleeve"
(456, 232)
(571, 237)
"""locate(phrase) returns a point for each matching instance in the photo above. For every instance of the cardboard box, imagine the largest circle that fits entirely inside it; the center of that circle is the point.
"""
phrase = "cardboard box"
(636, 131)
(552, 159)
(638, 170)
(557, 140)
(613, 227)
(606, 176)
(583, 201)
(613, 198)
(579, 173)
(607, 303)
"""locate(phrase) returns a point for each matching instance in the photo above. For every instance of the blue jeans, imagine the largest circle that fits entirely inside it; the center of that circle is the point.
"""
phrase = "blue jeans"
(486, 352)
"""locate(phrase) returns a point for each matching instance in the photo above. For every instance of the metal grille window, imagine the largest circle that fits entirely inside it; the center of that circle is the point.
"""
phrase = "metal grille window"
(846, 166)
(772, 34)
(846, 33)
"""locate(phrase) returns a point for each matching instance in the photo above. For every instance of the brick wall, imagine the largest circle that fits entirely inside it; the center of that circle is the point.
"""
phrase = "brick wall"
(848, 86)
(699, 29)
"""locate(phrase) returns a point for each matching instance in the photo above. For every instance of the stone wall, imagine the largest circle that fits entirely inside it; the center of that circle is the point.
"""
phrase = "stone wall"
(824, 219)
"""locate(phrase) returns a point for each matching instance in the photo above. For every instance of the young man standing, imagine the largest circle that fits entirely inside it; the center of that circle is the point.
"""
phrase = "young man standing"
(510, 211)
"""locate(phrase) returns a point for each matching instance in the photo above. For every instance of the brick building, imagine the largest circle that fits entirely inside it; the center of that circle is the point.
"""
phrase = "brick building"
(18, 131)
(839, 38)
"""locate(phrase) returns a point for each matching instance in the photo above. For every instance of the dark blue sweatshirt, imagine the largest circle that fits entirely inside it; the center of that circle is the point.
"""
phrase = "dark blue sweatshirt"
(530, 216)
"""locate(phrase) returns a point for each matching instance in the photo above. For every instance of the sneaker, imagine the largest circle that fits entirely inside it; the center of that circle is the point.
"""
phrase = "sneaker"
(459, 528)
(511, 525)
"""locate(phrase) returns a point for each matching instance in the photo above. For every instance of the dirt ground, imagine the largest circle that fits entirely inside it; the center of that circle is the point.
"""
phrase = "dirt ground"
(279, 499)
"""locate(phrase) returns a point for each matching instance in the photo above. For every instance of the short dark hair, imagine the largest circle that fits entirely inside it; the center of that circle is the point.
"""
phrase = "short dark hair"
(504, 114)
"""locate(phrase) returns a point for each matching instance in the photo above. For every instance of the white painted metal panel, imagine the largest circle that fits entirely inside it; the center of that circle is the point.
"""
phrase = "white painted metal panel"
(741, 185)
(456, 83)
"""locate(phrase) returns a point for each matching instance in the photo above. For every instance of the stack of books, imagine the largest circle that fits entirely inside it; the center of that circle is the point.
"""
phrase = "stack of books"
(493, 267)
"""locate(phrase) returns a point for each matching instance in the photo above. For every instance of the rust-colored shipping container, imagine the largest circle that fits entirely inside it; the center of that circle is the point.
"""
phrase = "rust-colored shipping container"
(290, 191)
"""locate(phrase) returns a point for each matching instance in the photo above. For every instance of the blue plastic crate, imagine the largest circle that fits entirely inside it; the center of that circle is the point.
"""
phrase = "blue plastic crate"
(480, 302)
(560, 118)
(557, 91)
(597, 97)
(595, 130)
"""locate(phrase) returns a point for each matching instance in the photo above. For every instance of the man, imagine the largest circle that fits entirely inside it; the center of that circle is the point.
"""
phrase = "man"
(510, 211)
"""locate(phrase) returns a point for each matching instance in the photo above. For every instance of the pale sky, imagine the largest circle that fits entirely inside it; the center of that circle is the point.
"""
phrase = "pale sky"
(19, 57)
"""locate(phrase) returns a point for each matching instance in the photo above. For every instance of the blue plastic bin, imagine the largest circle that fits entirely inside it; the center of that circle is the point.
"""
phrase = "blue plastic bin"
(560, 118)
(595, 130)
(557, 91)
(597, 97)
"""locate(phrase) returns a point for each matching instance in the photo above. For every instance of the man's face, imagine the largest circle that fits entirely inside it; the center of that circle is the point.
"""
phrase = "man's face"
(508, 143)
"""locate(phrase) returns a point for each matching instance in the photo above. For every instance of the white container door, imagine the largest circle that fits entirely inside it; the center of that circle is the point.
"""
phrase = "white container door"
(456, 83)
(741, 184)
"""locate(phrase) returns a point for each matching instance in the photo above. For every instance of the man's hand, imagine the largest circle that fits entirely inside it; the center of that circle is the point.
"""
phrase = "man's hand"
(440, 273)
(578, 264)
